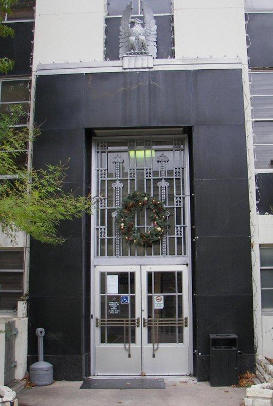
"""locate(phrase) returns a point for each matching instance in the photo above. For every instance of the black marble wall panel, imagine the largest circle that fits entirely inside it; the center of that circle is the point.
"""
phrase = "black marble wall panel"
(264, 193)
(221, 245)
(259, 27)
(19, 48)
(211, 102)
(59, 275)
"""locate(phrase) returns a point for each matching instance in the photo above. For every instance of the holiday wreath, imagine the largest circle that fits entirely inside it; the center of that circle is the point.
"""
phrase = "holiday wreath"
(126, 219)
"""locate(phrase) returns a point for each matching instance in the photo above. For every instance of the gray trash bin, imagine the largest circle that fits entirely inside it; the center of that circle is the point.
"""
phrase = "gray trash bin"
(41, 372)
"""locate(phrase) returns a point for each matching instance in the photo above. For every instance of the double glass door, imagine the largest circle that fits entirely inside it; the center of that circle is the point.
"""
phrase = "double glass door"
(141, 316)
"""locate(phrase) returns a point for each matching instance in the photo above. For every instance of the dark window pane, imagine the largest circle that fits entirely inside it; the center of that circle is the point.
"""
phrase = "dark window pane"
(164, 282)
(132, 282)
(165, 42)
(21, 159)
(180, 307)
(115, 335)
(267, 278)
(102, 282)
(12, 91)
(23, 10)
(169, 310)
(6, 108)
(11, 259)
(179, 282)
(8, 301)
(102, 307)
(266, 256)
(117, 7)
(150, 282)
(114, 308)
(123, 285)
(162, 334)
(132, 307)
(267, 299)
(150, 306)
(160, 6)
(11, 281)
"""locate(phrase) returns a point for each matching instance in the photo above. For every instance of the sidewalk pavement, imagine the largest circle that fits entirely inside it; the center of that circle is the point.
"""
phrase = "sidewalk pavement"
(178, 392)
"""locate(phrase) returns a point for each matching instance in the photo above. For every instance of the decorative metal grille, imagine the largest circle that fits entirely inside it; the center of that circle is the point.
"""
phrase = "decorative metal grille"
(155, 165)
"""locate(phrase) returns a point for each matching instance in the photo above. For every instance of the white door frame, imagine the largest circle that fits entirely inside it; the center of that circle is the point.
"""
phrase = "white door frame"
(169, 359)
(183, 260)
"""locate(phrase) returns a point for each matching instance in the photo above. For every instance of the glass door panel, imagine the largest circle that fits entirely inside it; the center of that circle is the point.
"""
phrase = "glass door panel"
(165, 323)
(118, 313)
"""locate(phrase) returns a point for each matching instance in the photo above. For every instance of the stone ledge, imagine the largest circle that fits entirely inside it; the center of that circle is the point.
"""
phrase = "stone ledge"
(259, 395)
(7, 397)
(137, 62)
(256, 391)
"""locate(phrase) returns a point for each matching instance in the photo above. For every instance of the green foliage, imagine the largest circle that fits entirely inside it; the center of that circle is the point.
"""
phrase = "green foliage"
(6, 65)
(6, 5)
(126, 219)
(33, 201)
(6, 31)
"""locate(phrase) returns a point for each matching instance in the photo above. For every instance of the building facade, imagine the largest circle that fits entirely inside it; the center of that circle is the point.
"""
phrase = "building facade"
(177, 127)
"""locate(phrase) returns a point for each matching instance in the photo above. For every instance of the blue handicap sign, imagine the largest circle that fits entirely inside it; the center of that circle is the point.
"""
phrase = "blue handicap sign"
(124, 299)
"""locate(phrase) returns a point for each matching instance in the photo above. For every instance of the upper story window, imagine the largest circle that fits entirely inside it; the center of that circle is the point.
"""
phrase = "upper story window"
(22, 10)
(11, 277)
(258, 5)
(116, 7)
(163, 13)
(15, 91)
(267, 277)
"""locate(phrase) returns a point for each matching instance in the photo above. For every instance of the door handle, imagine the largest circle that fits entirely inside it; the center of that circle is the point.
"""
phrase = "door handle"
(144, 322)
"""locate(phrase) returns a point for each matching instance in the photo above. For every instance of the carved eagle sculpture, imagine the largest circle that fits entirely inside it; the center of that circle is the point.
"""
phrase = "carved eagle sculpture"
(137, 37)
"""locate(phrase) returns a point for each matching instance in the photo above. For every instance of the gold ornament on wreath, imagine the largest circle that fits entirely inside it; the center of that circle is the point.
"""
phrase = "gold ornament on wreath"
(125, 220)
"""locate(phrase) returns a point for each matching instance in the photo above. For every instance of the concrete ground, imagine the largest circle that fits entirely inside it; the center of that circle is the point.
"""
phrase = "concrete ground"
(178, 392)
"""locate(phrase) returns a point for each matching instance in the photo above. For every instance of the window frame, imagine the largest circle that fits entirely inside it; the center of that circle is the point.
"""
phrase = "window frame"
(16, 102)
(171, 13)
(21, 271)
(24, 102)
(7, 20)
(265, 310)
(170, 54)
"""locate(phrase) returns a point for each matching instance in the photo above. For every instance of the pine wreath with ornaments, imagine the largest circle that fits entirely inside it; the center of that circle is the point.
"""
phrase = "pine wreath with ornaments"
(137, 201)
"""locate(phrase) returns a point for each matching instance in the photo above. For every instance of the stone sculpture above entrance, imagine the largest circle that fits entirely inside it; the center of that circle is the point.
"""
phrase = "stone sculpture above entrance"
(138, 39)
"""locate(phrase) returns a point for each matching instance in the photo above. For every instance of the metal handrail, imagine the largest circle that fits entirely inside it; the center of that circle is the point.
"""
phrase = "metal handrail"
(117, 322)
(163, 322)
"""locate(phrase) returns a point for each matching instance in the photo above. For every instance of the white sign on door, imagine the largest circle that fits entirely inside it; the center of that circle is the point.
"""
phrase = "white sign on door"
(112, 284)
(158, 302)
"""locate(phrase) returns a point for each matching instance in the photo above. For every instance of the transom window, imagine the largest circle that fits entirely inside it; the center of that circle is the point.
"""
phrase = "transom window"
(267, 277)
(163, 12)
(153, 164)
(116, 7)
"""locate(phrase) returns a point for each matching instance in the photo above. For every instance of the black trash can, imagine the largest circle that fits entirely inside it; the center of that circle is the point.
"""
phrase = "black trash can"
(223, 359)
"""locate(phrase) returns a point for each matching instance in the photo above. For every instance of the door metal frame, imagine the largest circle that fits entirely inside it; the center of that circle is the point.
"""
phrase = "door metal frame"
(183, 260)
